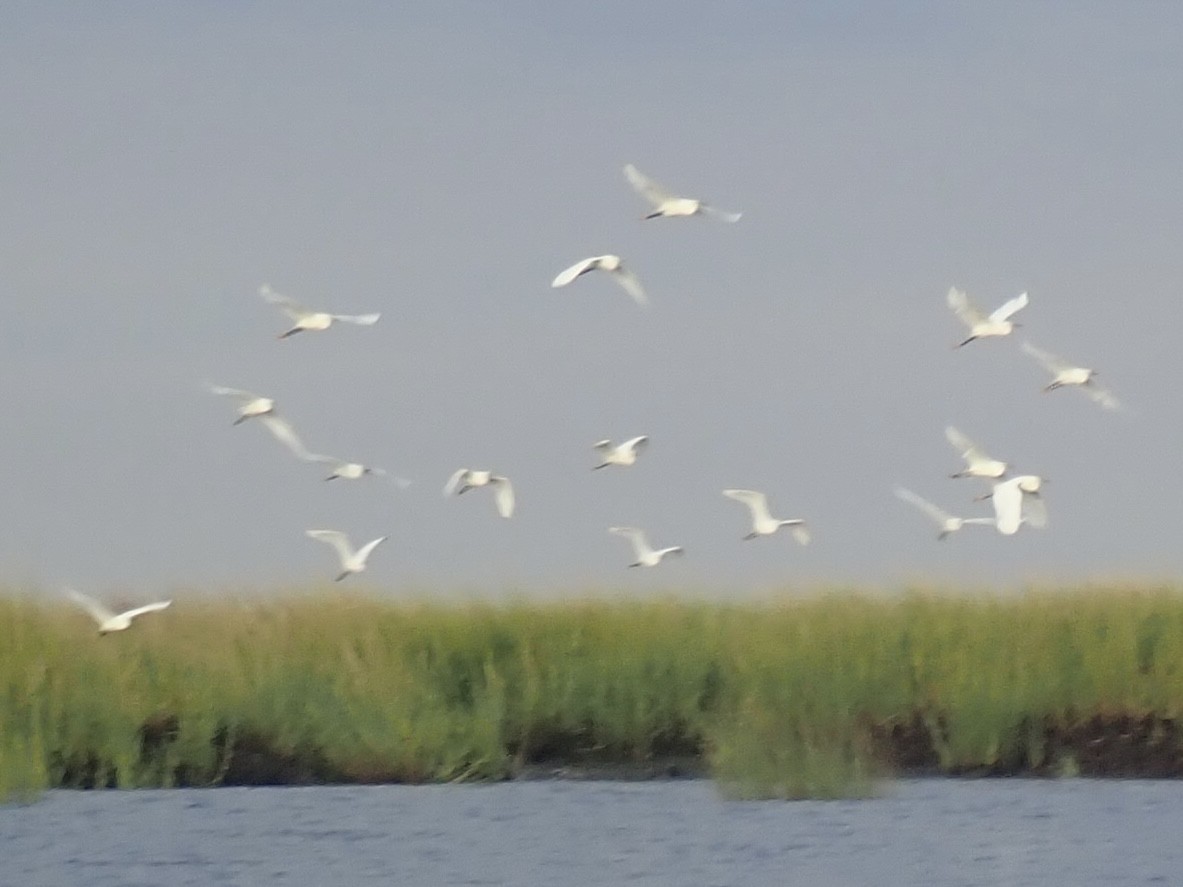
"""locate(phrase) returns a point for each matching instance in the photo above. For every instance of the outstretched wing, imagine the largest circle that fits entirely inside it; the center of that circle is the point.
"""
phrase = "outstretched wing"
(631, 285)
(1006, 309)
(1051, 362)
(800, 530)
(97, 611)
(364, 551)
(646, 187)
(937, 514)
(637, 444)
(721, 214)
(359, 319)
(289, 306)
(965, 310)
(322, 458)
(1101, 396)
(503, 494)
(401, 482)
(233, 392)
(1034, 511)
(969, 450)
(566, 276)
(634, 535)
(455, 481)
(281, 429)
(756, 501)
(335, 538)
(147, 608)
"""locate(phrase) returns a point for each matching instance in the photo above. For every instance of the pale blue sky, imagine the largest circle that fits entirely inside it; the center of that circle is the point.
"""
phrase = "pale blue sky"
(442, 164)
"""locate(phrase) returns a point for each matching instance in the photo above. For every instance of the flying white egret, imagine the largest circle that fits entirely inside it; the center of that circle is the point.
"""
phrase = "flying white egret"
(763, 523)
(1018, 501)
(666, 203)
(307, 319)
(997, 323)
(623, 454)
(254, 406)
(250, 405)
(107, 620)
(947, 522)
(1066, 374)
(347, 470)
(977, 463)
(351, 561)
(611, 264)
(466, 479)
(646, 555)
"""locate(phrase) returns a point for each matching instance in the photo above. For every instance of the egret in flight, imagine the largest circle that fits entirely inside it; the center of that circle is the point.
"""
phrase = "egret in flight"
(981, 326)
(763, 523)
(613, 266)
(465, 479)
(647, 556)
(307, 319)
(666, 203)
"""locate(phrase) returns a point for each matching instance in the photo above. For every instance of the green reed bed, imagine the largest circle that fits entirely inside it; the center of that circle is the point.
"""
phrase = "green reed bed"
(804, 697)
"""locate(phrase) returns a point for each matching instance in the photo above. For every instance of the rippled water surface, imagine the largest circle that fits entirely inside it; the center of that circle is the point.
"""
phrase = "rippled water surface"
(929, 832)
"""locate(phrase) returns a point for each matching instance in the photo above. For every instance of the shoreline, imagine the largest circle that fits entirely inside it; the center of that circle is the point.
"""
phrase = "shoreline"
(1096, 747)
(805, 698)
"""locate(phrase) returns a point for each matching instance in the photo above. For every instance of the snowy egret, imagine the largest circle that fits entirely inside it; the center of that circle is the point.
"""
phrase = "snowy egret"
(763, 523)
(997, 323)
(345, 469)
(612, 265)
(647, 556)
(1066, 374)
(351, 561)
(623, 454)
(666, 203)
(109, 621)
(1018, 501)
(977, 463)
(947, 522)
(250, 405)
(466, 479)
(307, 319)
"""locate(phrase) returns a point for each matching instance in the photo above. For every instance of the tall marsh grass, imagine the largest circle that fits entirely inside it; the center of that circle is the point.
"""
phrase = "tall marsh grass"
(799, 698)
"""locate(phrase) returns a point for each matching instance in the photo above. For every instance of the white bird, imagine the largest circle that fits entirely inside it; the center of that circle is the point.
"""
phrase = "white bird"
(977, 463)
(351, 561)
(623, 454)
(997, 323)
(307, 319)
(466, 479)
(763, 523)
(1067, 374)
(108, 621)
(254, 406)
(346, 470)
(250, 405)
(1018, 501)
(646, 555)
(666, 203)
(611, 264)
(947, 522)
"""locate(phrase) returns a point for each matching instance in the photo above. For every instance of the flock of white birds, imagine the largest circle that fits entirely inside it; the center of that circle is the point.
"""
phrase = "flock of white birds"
(1016, 498)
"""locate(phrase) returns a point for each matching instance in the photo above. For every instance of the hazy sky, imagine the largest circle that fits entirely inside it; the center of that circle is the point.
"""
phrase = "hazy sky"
(441, 162)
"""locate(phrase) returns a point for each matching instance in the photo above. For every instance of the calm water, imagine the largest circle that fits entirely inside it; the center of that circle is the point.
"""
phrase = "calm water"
(543, 834)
